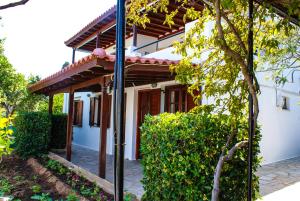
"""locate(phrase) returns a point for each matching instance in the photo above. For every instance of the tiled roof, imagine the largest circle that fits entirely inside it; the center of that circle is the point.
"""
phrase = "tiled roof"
(101, 54)
(104, 15)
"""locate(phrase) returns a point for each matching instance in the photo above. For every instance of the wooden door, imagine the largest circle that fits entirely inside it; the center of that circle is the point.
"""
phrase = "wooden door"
(148, 103)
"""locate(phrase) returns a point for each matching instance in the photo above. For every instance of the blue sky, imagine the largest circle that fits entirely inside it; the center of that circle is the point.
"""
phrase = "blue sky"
(35, 33)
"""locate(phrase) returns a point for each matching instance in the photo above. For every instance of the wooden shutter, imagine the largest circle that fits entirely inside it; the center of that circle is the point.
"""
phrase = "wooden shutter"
(99, 110)
(80, 113)
(109, 110)
(92, 111)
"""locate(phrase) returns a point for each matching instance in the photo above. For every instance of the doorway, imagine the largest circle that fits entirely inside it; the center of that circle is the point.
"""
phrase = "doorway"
(148, 103)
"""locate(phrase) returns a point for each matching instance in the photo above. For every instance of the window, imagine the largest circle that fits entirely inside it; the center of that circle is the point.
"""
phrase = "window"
(95, 111)
(177, 99)
(77, 116)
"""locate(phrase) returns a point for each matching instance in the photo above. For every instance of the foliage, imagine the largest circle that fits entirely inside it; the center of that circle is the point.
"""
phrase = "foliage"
(5, 186)
(59, 131)
(79, 184)
(36, 188)
(12, 86)
(42, 197)
(72, 197)
(180, 152)
(32, 133)
(6, 138)
(39, 102)
(14, 95)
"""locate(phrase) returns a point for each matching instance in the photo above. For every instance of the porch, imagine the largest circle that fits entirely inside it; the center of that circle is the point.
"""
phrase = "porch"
(88, 159)
(273, 177)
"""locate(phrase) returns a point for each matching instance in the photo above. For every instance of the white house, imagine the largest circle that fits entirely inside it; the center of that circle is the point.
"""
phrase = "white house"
(158, 92)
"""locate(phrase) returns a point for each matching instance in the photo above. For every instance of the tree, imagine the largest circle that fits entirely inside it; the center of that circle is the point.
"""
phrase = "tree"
(66, 64)
(222, 54)
(12, 87)
(39, 102)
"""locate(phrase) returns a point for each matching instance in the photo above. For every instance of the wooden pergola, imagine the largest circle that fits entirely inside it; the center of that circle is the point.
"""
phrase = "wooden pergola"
(94, 73)
(101, 31)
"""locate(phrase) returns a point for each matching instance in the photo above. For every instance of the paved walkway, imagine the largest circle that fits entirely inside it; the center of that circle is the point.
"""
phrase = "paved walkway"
(273, 177)
(88, 159)
(276, 176)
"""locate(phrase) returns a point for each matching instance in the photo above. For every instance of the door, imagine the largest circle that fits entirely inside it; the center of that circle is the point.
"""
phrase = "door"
(148, 103)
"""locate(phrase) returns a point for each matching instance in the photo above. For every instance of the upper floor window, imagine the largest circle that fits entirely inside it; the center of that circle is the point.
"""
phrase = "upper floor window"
(77, 115)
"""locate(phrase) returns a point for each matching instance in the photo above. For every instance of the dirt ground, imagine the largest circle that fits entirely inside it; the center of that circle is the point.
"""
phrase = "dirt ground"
(18, 180)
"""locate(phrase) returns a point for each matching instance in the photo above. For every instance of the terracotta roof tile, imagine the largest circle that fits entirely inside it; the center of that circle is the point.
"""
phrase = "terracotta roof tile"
(104, 57)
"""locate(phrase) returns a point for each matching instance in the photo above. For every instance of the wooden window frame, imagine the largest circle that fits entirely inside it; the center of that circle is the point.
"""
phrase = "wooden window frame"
(93, 102)
(77, 113)
(182, 91)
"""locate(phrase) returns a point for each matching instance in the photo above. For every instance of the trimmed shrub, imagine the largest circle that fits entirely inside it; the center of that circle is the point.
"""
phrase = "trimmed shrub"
(32, 133)
(59, 131)
(180, 152)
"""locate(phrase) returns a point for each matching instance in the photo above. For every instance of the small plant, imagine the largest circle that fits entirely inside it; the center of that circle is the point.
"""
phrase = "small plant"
(42, 197)
(19, 178)
(57, 167)
(129, 197)
(36, 188)
(72, 197)
(5, 186)
(85, 191)
(35, 178)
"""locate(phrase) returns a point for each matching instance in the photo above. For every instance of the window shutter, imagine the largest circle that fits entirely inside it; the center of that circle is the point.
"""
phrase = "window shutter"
(99, 111)
(109, 110)
(80, 113)
(74, 112)
(92, 111)
(190, 100)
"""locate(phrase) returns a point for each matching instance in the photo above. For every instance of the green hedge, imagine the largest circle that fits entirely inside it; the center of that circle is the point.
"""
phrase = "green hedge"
(180, 152)
(32, 133)
(59, 131)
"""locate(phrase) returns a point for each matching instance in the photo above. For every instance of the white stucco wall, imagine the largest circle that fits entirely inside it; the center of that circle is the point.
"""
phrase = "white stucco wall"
(280, 128)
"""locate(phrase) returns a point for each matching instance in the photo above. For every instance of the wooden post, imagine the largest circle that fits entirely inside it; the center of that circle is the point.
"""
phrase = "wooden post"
(134, 30)
(70, 125)
(103, 130)
(98, 40)
(73, 55)
(50, 104)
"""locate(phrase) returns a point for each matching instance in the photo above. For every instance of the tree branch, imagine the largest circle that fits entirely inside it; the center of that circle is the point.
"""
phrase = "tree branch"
(14, 4)
(222, 159)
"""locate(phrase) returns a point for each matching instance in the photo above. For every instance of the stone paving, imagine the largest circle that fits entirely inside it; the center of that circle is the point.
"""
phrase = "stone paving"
(276, 176)
(273, 177)
(88, 159)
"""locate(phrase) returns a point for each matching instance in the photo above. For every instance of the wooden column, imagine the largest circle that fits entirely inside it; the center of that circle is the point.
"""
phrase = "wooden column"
(98, 40)
(70, 125)
(104, 118)
(134, 38)
(73, 55)
(50, 104)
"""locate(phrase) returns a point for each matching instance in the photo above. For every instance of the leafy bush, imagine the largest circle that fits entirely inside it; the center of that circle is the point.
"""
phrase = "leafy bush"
(180, 152)
(6, 138)
(59, 131)
(32, 133)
